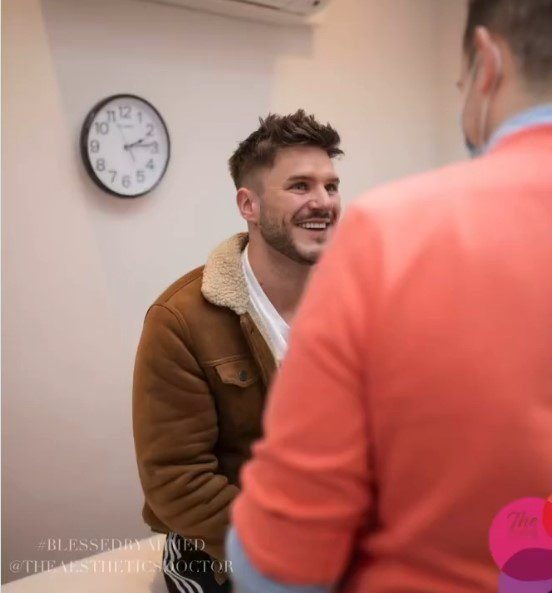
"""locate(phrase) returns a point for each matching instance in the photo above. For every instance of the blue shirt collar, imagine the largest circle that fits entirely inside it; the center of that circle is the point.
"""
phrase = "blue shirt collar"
(536, 116)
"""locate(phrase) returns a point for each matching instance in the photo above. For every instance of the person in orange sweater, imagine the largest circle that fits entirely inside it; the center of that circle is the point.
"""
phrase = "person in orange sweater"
(416, 397)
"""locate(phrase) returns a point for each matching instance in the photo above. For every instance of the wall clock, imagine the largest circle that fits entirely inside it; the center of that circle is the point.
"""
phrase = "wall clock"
(125, 145)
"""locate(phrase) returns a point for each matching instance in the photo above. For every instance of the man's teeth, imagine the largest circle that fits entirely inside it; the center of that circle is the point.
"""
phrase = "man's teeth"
(314, 225)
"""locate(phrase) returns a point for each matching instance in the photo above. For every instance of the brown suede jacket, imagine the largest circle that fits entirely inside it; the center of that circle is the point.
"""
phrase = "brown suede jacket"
(202, 371)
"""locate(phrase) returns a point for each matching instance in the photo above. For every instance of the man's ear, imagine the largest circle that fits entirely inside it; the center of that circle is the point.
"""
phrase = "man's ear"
(248, 204)
(489, 70)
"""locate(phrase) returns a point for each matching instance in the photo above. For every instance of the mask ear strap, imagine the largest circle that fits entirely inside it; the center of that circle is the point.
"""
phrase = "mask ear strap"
(499, 64)
(486, 106)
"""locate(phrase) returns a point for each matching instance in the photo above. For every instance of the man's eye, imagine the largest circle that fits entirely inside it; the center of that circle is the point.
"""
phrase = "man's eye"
(301, 185)
(332, 188)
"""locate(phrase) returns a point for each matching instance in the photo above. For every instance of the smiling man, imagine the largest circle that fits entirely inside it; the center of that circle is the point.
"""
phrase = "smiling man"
(213, 340)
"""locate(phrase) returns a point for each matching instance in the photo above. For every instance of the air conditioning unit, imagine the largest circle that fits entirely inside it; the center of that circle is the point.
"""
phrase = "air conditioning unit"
(292, 12)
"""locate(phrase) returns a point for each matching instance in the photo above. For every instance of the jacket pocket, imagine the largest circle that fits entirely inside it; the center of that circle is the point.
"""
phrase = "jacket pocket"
(242, 372)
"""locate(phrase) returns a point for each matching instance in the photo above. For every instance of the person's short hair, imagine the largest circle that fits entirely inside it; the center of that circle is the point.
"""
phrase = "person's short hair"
(276, 132)
(525, 25)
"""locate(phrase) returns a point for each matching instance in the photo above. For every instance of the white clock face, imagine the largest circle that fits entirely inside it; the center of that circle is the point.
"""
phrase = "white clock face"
(125, 145)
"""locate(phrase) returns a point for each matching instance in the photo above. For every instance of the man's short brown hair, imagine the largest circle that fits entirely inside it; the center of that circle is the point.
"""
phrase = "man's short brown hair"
(526, 25)
(276, 132)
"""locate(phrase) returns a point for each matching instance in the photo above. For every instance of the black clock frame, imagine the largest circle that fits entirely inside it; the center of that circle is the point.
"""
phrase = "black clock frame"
(84, 144)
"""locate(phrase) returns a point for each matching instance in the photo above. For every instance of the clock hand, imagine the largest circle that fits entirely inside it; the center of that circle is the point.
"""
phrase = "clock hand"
(137, 143)
(125, 144)
(145, 145)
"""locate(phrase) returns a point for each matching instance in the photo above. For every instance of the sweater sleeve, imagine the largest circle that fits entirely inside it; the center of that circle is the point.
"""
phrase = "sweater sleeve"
(175, 433)
(306, 491)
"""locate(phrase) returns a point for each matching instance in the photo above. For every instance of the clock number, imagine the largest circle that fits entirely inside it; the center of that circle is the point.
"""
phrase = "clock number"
(150, 165)
(140, 176)
(126, 181)
(155, 148)
(94, 146)
(139, 116)
(102, 127)
(124, 111)
(100, 165)
(110, 115)
(150, 129)
(113, 175)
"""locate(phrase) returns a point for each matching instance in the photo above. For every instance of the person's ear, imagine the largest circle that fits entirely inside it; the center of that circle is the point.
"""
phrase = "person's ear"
(489, 70)
(248, 204)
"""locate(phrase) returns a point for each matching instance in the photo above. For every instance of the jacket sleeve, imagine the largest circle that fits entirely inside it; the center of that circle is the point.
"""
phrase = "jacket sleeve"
(175, 432)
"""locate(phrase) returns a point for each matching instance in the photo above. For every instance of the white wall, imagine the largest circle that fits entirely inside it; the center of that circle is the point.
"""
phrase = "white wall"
(450, 143)
(80, 266)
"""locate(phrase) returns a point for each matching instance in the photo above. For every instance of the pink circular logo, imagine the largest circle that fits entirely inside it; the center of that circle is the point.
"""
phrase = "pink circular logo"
(520, 540)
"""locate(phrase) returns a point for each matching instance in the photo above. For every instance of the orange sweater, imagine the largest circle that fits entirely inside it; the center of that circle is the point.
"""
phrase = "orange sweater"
(416, 398)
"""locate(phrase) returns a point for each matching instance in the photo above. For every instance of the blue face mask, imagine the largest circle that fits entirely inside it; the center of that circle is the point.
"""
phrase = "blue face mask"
(473, 150)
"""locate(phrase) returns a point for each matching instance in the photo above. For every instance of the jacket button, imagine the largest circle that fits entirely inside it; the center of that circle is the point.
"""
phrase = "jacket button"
(243, 375)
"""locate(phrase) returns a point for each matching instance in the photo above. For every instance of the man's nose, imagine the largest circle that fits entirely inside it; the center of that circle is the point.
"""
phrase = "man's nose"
(320, 199)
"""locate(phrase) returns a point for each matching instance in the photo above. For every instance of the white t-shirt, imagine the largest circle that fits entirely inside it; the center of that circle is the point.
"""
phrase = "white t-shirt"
(277, 328)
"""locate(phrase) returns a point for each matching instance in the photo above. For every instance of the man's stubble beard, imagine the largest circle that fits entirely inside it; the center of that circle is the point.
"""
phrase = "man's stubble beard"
(279, 238)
